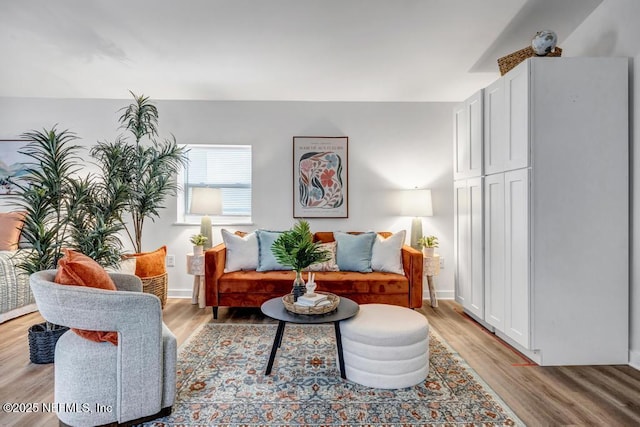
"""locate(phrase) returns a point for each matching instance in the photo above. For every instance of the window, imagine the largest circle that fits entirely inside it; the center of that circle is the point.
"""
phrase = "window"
(226, 167)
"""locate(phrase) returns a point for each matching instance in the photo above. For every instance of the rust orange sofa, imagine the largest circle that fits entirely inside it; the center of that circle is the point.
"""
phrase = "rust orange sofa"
(252, 288)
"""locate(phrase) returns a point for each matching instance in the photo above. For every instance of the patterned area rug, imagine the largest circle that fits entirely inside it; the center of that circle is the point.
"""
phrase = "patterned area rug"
(221, 382)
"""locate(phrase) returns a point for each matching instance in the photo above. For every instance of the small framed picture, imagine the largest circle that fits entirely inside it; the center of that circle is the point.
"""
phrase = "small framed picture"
(12, 165)
(320, 177)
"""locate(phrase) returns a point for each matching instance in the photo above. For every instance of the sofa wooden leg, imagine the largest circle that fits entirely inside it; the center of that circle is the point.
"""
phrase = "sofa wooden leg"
(215, 312)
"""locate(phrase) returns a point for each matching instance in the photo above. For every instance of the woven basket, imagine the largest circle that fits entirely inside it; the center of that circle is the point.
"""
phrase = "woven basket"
(156, 285)
(42, 342)
(508, 62)
(288, 303)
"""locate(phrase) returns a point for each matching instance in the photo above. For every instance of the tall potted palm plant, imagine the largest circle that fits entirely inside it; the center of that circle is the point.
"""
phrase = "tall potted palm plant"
(63, 210)
(147, 167)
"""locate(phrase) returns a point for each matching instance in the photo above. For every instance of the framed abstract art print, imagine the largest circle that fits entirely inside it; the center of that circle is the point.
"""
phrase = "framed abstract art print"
(320, 171)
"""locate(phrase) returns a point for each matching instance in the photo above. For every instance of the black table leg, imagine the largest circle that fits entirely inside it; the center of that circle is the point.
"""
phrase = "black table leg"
(276, 343)
(339, 343)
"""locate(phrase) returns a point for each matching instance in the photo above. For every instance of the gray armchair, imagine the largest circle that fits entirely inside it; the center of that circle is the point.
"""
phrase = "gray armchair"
(99, 383)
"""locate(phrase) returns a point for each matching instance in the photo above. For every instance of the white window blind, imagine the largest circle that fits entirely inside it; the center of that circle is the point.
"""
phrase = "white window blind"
(226, 167)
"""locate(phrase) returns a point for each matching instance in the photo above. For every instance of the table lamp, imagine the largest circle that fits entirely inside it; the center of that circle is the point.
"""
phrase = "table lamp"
(416, 203)
(206, 201)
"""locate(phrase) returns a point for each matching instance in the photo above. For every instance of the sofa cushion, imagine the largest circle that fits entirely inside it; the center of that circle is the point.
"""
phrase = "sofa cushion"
(242, 251)
(387, 253)
(125, 266)
(330, 264)
(10, 227)
(354, 251)
(266, 260)
(338, 282)
(151, 264)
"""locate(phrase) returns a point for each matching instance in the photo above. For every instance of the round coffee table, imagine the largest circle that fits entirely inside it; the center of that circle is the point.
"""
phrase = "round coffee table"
(274, 308)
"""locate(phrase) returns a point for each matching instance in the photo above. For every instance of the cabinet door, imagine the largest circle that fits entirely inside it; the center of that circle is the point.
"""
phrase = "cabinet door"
(460, 142)
(467, 137)
(494, 266)
(475, 302)
(475, 117)
(461, 239)
(468, 245)
(494, 128)
(517, 262)
(516, 87)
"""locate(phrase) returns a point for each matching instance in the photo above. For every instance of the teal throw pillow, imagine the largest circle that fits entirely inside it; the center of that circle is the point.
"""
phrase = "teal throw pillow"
(266, 260)
(354, 251)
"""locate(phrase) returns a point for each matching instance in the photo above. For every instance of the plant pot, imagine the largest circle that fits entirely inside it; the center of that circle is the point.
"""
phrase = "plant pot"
(198, 250)
(428, 252)
(42, 341)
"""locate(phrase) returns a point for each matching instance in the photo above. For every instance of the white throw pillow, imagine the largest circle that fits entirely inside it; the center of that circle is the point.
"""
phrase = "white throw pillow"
(329, 265)
(126, 266)
(387, 253)
(242, 251)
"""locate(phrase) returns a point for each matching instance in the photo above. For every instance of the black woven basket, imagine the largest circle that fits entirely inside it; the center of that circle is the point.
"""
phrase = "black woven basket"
(42, 342)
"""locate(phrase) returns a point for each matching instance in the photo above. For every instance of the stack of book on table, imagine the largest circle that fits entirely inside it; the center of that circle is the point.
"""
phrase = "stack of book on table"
(312, 300)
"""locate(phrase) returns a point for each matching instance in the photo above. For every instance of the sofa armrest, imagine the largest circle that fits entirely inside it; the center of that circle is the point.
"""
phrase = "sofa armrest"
(412, 265)
(214, 260)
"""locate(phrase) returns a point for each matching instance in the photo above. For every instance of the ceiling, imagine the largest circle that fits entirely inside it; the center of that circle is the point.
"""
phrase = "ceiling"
(314, 50)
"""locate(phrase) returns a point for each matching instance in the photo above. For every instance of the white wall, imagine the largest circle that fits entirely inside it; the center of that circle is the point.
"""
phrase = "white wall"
(392, 146)
(613, 30)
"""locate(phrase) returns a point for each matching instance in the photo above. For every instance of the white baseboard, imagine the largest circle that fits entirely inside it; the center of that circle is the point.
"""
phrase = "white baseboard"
(439, 294)
(634, 359)
(179, 293)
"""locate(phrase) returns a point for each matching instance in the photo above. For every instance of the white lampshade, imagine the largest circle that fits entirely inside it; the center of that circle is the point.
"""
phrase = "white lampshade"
(416, 203)
(206, 201)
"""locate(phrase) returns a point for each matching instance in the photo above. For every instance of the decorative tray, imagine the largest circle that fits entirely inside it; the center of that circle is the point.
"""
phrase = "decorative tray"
(333, 299)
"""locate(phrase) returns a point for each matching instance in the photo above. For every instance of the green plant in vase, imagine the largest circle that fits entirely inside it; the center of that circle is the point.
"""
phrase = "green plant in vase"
(63, 210)
(295, 248)
(428, 244)
(198, 241)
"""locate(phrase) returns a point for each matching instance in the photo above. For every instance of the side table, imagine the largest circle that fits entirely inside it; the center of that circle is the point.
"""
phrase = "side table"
(195, 266)
(432, 268)
(275, 309)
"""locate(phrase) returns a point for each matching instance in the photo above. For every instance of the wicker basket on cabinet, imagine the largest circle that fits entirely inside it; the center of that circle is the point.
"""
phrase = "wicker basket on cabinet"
(506, 63)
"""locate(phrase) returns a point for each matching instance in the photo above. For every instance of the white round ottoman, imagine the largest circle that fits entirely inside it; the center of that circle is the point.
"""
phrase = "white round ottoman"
(386, 346)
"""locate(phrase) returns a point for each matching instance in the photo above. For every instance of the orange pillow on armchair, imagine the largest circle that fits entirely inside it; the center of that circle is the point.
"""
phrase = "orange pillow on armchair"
(77, 269)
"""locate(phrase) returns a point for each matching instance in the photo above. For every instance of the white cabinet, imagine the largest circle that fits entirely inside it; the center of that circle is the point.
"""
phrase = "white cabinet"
(468, 166)
(507, 257)
(495, 132)
(468, 244)
(516, 260)
(494, 247)
(555, 172)
(506, 122)
(517, 119)
(467, 137)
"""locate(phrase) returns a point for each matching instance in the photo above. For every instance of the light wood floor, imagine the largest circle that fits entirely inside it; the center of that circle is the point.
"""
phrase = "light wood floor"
(540, 396)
